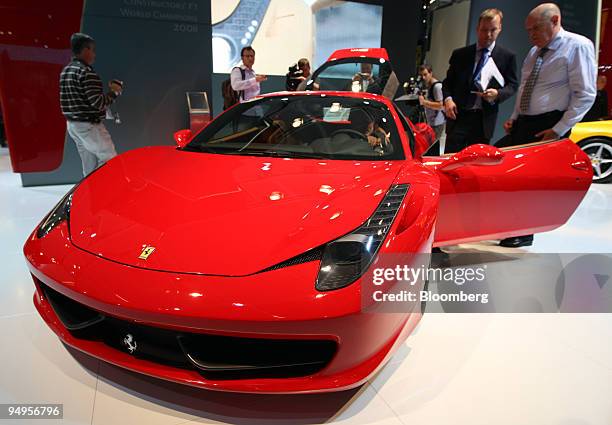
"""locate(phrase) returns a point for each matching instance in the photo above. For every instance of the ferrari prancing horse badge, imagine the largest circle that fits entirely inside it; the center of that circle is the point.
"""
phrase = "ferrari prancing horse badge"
(148, 250)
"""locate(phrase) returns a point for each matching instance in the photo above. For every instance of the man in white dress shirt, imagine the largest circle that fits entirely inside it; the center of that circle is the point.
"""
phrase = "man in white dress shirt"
(558, 86)
(244, 79)
(563, 88)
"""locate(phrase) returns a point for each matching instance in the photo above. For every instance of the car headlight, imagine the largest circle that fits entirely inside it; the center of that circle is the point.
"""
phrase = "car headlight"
(58, 214)
(347, 258)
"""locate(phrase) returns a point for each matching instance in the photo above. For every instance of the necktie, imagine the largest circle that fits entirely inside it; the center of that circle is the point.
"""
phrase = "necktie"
(484, 55)
(473, 100)
(531, 81)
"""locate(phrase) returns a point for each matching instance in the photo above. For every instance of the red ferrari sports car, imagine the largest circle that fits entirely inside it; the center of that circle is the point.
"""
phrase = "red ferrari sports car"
(236, 261)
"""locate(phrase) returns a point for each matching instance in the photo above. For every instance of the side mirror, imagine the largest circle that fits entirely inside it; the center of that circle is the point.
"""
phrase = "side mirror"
(473, 155)
(182, 137)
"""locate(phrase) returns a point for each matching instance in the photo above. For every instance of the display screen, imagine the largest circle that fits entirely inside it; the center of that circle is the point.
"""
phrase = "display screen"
(283, 31)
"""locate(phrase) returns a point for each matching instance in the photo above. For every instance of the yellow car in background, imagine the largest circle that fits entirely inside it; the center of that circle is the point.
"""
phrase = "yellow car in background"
(595, 139)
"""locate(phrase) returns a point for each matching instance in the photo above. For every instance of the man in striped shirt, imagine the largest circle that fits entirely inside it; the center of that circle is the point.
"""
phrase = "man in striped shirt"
(84, 104)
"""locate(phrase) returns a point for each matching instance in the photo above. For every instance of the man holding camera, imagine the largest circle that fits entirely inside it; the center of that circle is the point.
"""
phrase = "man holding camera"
(298, 75)
(84, 103)
(432, 104)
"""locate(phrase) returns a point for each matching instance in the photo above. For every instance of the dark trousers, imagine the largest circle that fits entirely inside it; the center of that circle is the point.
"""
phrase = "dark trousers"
(524, 130)
(466, 130)
(526, 127)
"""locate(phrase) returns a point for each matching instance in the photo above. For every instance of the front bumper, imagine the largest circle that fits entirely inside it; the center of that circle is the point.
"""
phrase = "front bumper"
(278, 305)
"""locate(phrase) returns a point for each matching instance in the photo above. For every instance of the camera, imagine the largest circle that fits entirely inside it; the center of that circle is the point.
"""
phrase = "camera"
(415, 86)
(294, 77)
(110, 115)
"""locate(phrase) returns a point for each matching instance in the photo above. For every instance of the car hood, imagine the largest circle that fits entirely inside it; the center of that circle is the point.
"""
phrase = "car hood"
(221, 214)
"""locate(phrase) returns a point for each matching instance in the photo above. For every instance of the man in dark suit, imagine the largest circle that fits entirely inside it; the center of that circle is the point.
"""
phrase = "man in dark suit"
(471, 110)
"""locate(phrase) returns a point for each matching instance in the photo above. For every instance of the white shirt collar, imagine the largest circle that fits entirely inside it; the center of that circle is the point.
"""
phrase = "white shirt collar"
(490, 48)
(554, 43)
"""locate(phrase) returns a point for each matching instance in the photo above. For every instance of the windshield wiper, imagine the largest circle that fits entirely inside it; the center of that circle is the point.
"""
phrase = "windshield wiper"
(292, 154)
(209, 149)
(254, 152)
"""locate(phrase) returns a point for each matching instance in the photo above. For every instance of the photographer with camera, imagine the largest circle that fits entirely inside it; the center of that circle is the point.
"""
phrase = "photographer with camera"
(432, 100)
(84, 104)
(364, 81)
(298, 73)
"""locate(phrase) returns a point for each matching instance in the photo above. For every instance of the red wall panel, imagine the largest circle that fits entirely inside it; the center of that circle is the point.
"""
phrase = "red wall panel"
(34, 47)
(605, 45)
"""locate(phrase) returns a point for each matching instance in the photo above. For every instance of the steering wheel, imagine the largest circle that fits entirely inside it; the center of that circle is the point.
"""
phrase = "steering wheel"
(351, 132)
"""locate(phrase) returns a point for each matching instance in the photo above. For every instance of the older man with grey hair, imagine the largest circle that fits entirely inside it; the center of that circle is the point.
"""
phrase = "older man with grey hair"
(84, 102)
(557, 86)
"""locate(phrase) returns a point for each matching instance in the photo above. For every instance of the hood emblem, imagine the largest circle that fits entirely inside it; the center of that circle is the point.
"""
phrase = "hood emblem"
(130, 343)
(148, 250)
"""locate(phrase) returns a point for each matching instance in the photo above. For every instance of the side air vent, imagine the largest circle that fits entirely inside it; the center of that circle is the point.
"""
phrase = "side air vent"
(313, 255)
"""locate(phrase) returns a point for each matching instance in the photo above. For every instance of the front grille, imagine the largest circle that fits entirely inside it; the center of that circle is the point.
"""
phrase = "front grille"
(74, 315)
(215, 357)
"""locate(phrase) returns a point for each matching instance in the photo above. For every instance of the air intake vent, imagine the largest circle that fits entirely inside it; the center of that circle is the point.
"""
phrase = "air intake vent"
(215, 357)
(74, 316)
(313, 255)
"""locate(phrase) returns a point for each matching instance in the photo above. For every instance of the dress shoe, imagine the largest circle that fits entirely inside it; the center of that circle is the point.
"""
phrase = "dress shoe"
(439, 258)
(517, 241)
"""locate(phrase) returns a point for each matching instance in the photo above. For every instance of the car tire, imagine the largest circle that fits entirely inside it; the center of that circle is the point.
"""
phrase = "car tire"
(599, 149)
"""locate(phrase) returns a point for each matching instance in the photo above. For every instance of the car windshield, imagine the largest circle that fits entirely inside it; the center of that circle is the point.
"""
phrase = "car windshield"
(358, 75)
(308, 126)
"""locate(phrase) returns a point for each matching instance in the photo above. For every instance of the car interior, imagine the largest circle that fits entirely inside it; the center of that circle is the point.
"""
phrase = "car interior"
(328, 129)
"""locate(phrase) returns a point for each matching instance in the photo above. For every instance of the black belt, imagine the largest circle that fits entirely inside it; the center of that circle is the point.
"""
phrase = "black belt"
(89, 120)
(550, 114)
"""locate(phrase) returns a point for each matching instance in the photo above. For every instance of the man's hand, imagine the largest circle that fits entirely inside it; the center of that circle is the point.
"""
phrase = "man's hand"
(421, 100)
(450, 108)
(115, 87)
(259, 78)
(548, 134)
(508, 126)
(489, 95)
(374, 141)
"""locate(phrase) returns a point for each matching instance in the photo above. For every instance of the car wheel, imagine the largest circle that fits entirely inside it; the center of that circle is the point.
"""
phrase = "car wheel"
(599, 151)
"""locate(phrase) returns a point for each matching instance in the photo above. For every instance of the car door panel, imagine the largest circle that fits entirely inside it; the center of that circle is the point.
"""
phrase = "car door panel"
(536, 188)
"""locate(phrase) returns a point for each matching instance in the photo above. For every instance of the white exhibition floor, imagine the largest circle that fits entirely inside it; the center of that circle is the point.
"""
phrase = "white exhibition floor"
(455, 369)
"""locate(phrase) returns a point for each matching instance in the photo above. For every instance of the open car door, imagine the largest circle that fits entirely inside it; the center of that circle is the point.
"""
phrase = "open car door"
(491, 193)
(356, 70)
